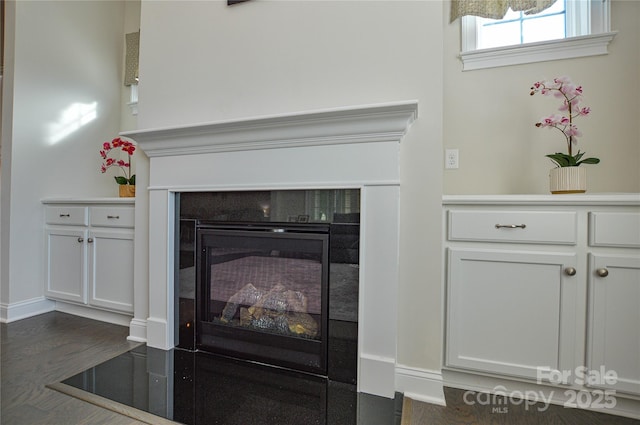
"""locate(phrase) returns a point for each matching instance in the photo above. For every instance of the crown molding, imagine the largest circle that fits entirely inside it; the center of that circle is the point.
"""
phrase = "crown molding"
(361, 124)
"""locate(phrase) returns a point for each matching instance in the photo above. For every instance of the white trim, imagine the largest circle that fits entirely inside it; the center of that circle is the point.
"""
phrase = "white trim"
(159, 333)
(376, 373)
(420, 384)
(568, 48)
(94, 313)
(137, 330)
(133, 99)
(270, 186)
(21, 310)
(362, 124)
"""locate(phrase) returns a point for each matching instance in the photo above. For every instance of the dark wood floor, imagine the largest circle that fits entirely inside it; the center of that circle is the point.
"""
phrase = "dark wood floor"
(52, 347)
(47, 349)
(457, 412)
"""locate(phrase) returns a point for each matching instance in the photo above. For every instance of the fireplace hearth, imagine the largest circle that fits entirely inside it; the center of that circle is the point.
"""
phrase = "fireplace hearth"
(283, 293)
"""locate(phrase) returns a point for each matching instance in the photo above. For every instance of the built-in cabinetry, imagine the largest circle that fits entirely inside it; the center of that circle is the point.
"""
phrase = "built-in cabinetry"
(544, 289)
(89, 253)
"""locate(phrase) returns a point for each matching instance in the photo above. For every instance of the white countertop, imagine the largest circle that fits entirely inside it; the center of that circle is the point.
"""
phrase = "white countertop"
(572, 199)
(92, 201)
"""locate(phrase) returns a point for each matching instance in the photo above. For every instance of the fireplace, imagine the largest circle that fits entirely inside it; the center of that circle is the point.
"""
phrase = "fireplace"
(262, 292)
(256, 287)
(346, 147)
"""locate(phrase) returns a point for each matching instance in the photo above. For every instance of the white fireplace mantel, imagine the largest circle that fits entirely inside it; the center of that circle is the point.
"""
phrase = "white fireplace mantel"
(353, 147)
(362, 124)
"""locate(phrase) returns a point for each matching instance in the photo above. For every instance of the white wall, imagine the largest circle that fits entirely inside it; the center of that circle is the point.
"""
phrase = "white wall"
(489, 116)
(205, 61)
(62, 54)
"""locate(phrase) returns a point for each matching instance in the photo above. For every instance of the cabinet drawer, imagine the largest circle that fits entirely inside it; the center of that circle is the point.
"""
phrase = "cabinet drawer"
(548, 227)
(617, 229)
(76, 216)
(112, 216)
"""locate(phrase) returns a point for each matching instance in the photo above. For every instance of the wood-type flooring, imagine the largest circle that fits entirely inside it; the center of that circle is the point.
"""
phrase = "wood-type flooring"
(48, 348)
(457, 412)
(51, 347)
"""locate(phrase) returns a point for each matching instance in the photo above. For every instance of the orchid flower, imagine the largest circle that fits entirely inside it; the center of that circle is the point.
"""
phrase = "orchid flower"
(127, 147)
(571, 96)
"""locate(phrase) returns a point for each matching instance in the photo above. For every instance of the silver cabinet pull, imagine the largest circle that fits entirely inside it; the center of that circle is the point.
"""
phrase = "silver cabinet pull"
(570, 271)
(602, 272)
(113, 216)
(65, 215)
(80, 240)
(90, 240)
(510, 226)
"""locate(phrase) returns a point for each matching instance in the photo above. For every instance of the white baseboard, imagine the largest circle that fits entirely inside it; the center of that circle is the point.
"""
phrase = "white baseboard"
(23, 309)
(420, 384)
(627, 406)
(376, 375)
(95, 314)
(158, 335)
(137, 330)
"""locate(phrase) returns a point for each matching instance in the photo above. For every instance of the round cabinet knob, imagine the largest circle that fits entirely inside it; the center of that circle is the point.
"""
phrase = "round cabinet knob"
(602, 272)
(90, 240)
(570, 271)
(80, 240)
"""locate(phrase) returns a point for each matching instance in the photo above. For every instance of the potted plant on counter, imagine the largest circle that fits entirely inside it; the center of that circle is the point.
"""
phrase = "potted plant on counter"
(127, 181)
(567, 176)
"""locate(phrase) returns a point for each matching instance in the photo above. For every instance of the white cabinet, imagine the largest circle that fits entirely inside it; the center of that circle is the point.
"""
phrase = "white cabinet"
(66, 258)
(510, 311)
(511, 302)
(544, 283)
(614, 294)
(89, 253)
(614, 321)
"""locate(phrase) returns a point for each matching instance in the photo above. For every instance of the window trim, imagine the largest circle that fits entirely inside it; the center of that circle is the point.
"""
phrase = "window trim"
(570, 47)
(567, 48)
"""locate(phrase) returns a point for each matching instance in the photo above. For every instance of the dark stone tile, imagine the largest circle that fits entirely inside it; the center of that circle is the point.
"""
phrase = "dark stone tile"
(198, 388)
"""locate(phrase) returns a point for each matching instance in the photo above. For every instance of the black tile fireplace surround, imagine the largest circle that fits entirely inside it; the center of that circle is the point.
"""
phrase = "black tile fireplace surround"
(223, 235)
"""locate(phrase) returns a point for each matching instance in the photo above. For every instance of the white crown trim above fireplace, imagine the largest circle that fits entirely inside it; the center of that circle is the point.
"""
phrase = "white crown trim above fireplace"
(365, 124)
(353, 147)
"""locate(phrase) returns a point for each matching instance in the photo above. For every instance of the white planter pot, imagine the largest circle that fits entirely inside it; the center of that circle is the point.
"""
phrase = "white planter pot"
(568, 180)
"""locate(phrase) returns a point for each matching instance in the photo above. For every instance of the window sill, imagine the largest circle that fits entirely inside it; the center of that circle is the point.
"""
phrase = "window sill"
(574, 47)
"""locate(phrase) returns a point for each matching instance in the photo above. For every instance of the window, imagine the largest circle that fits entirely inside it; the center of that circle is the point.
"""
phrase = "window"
(567, 29)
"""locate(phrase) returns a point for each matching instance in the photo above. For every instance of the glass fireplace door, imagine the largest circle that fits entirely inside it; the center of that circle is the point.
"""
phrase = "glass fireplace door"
(262, 293)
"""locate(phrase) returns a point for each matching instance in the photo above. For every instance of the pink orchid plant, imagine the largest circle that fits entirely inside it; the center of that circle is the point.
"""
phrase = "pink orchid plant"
(125, 146)
(571, 96)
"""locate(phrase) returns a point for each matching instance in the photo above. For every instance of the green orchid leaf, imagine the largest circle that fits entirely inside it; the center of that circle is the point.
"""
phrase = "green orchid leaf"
(565, 160)
(121, 180)
(132, 180)
(590, 161)
(560, 159)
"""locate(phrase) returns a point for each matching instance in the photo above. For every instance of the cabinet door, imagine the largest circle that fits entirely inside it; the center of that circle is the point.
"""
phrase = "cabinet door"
(510, 312)
(65, 272)
(614, 322)
(111, 269)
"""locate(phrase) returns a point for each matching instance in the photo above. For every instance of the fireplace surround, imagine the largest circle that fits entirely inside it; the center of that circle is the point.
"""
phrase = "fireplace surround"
(271, 276)
(353, 147)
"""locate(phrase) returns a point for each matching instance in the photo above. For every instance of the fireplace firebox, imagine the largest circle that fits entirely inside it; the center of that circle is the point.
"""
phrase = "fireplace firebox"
(270, 277)
(262, 290)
